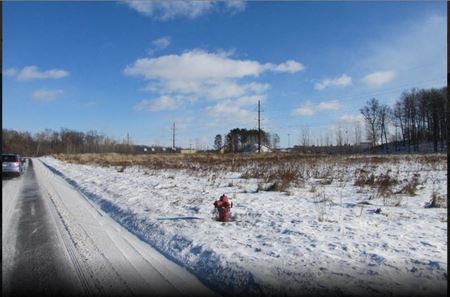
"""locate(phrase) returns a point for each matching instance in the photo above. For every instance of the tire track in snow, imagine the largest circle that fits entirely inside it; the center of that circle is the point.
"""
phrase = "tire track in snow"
(40, 265)
(144, 270)
(90, 285)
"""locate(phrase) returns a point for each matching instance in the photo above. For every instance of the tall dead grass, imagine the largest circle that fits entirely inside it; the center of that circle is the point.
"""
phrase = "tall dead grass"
(277, 170)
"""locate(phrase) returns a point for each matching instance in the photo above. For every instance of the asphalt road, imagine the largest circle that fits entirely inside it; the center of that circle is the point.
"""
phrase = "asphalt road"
(40, 265)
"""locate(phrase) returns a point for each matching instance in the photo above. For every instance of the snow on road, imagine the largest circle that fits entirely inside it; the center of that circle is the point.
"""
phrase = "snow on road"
(282, 243)
(105, 258)
(40, 265)
(10, 193)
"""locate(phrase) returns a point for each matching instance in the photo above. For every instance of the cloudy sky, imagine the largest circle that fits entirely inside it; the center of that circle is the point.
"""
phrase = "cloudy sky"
(138, 66)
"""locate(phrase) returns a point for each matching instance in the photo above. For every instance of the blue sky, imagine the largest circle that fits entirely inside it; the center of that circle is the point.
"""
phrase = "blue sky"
(138, 66)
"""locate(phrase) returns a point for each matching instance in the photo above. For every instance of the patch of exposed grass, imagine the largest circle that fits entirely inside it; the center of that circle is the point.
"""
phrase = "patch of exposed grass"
(364, 178)
(322, 205)
(384, 184)
(438, 201)
(410, 187)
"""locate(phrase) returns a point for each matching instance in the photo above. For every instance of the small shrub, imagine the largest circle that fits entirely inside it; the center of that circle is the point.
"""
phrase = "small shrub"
(438, 201)
(363, 178)
(286, 175)
(384, 184)
(275, 178)
(410, 187)
(321, 203)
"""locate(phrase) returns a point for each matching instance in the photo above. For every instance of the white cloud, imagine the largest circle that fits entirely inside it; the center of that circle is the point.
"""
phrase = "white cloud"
(256, 87)
(305, 110)
(227, 111)
(238, 5)
(349, 118)
(143, 7)
(197, 74)
(32, 72)
(343, 80)
(166, 10)
(10, 72)
(288, 66)
(194, 65)
(379, 78)
(160, 44)
(249, 100)
(199, 65)
(159, 104)
(46, 95)
(329, 105)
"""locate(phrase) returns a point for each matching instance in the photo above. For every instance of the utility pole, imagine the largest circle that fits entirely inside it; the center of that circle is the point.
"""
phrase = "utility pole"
(289, 140)
(128, 142)
(259, 127)
(173, 136)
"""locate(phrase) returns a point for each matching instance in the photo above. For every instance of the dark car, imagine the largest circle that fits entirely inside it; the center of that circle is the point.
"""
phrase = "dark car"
(12, 164)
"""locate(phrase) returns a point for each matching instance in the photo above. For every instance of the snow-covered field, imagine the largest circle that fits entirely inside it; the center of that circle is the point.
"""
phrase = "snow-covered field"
(323, 235)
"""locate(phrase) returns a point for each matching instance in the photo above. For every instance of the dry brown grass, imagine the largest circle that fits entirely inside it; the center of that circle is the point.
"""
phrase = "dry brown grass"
(438, 201)
(184, 161)
(237, 161)
(364, 178)
(384, 184)
(277, 171)
(410, 187)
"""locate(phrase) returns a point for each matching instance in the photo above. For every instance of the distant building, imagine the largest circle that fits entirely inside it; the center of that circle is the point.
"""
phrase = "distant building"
(188, 151)
(145, 149)
(253, 148)
(364, 145)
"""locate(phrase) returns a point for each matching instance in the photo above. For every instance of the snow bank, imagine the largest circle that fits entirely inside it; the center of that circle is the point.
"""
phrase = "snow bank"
(319, 238)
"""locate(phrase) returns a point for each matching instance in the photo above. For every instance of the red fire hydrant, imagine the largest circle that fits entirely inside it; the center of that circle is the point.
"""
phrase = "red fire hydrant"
(224, 206)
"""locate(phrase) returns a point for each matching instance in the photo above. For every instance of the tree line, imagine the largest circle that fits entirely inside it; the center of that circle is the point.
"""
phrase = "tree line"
(418, 116)
(64, 141)
(238, 139)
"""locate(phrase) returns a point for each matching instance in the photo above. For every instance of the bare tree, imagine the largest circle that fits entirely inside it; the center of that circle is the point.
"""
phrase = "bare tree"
(218, 142)
(339, 136)
(371, 113)
(399, 120)
(384, 116)
(327, 139)
(357, 130)
(305, 136)
(275, 141)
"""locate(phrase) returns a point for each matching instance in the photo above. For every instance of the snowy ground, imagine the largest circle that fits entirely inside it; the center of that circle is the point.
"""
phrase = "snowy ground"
(322, 236)
(55, 242)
